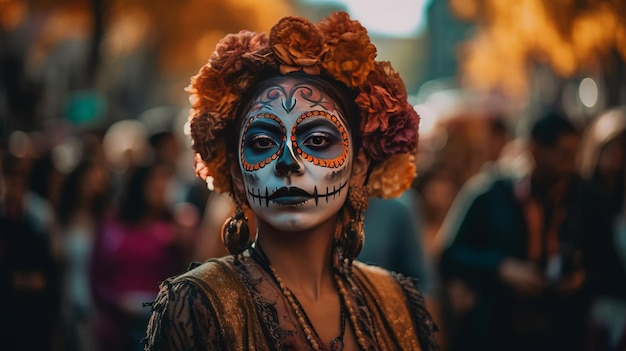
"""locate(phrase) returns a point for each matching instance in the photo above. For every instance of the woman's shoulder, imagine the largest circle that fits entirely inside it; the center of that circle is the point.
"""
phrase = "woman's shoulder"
(198, 308)
(377, 274)
(177, 313)
(212, 274)
(199, 277)
(387, 286)
(399, 299)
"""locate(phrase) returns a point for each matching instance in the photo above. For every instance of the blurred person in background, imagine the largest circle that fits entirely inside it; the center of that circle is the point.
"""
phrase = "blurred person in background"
(45, 178)
(29, 295)
(184, 195)
(393, 238)
(165, 147)
(498, 137)
(438, 193)
(603, 167)
(516, 242)
(464, 151)
(136, 249)
(434, 192)
(473, 144)
(83, 203)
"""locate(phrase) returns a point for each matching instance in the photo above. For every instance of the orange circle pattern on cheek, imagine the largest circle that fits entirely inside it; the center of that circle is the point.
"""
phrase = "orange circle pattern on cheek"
(333, 163)
(256, 166)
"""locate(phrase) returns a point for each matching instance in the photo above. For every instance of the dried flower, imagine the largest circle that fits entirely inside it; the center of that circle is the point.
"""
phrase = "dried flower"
(203, 131)
(400, 136)
(393, 176)
(382, 95)
(298, 45)
(338, 47)
(211, 92)
(350, 56)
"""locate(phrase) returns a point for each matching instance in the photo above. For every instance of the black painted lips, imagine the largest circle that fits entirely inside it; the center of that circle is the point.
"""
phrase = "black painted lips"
(293, 195)
(289, 196)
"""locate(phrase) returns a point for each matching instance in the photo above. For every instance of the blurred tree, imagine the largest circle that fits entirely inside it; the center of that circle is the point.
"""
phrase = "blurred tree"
(572, 37)
(135, 54)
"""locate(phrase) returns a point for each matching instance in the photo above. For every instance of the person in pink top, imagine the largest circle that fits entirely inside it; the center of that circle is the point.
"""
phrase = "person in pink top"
(137, 248)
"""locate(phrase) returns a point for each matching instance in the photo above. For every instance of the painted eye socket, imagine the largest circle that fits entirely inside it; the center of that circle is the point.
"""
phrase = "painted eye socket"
(261, 143)
(318, 141)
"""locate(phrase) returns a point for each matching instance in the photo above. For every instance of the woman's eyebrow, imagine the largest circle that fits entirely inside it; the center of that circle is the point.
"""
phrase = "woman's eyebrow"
(266, 124)
(312, 123)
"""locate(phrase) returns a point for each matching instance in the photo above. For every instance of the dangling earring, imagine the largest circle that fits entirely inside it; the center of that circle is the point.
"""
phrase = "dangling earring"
(236, 233)
(352, 236)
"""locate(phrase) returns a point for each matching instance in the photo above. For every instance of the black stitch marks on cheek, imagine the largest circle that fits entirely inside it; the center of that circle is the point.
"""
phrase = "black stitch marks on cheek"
(277, 196)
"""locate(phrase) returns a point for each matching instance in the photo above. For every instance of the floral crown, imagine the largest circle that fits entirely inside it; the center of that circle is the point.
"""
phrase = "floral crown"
(337, 47)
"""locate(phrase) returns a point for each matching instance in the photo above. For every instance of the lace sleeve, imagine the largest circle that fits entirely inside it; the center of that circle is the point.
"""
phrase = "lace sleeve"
(182, 319)
(424, 324)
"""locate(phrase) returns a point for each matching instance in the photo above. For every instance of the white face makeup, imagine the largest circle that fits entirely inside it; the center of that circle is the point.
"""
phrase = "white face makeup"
(295, 156)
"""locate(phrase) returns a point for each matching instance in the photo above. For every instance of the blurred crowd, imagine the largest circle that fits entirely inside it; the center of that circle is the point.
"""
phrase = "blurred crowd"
(515, 226)
(515, 229)
(88, 228)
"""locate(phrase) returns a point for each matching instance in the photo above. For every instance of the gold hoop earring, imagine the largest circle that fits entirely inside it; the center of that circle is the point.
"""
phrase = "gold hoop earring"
(236, 233)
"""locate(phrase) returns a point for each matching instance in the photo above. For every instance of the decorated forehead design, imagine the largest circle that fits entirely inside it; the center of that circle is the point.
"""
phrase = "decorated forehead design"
(318, 161)
(333, 163)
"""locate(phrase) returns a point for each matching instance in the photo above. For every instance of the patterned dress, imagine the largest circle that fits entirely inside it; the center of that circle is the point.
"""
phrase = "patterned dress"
(233, 303)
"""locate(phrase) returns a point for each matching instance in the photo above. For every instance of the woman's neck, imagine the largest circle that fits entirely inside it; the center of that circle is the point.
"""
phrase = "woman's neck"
(303, 260)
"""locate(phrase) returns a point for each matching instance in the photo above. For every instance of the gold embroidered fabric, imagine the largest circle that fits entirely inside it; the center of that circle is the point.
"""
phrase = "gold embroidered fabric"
(389, 308)
(233, 304)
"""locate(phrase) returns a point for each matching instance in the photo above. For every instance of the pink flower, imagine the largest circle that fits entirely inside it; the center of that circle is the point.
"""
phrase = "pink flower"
(400, 136)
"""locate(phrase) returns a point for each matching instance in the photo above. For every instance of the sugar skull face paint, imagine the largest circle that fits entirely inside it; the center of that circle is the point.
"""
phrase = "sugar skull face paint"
(295, 156)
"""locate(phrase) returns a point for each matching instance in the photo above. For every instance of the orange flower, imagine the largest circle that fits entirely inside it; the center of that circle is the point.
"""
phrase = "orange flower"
(350, 56)
(376, 104)
(211, 92)
(298, 45)
(393, 176)
(385, 76)
(383, 94)
(337, 47)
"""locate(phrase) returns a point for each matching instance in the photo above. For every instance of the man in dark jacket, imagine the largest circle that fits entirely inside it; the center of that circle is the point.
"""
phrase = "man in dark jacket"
(515, 241)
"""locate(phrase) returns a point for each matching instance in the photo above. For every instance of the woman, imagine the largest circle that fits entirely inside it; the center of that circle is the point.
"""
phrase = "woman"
(603, 166)
(83, 203)
(136, 247)
(299, 127)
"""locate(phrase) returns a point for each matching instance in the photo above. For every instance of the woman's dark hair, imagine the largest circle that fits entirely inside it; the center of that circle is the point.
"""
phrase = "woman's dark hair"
(337, 91)
(42, 171)
(615, 195)
(134, 204)
(548, 129)
(70, 193)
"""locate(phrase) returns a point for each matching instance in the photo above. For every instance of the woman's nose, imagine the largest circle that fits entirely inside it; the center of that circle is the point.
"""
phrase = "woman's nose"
(287, 164)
